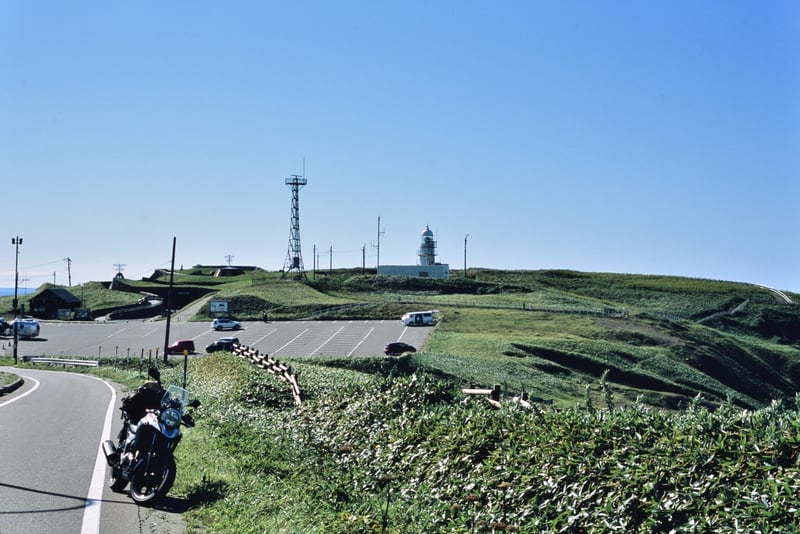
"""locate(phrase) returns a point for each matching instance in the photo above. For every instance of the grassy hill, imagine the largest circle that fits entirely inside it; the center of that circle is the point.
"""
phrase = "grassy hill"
(659, 403)
(660, 340)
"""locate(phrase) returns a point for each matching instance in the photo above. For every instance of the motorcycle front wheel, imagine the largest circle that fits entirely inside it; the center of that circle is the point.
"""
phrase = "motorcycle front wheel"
(149, 485)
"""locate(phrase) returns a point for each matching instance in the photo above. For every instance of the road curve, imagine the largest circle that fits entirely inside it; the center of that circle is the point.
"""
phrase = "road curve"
(52, 471)
(51, 427)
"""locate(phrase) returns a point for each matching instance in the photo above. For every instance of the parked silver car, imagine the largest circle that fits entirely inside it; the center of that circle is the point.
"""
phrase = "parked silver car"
(225, 323)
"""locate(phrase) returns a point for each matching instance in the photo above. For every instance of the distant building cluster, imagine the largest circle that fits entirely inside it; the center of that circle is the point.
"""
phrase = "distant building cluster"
(426, 267)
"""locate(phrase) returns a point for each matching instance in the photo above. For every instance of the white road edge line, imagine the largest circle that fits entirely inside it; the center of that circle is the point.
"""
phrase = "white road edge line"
(24, 394)
(94, 500)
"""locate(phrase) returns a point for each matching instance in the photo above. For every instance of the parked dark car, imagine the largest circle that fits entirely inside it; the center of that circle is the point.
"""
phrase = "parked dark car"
(181, 345)
(223, 343)
(397, 347)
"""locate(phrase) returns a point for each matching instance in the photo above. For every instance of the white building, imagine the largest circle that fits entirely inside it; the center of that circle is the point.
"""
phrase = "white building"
(427, 267)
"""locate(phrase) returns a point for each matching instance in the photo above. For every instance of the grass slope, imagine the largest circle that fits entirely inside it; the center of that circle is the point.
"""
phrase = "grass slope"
(403, 451)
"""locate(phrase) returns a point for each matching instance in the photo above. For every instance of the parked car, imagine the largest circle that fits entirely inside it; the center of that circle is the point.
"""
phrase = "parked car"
(225, 323)
(26, 327)
(82, 314)
(181, 345)
(223, 343)
(398, 347)
(419, 318)
(4, 327)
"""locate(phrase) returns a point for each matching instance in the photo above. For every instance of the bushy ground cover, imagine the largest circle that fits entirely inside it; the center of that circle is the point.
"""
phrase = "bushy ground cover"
(405, 451)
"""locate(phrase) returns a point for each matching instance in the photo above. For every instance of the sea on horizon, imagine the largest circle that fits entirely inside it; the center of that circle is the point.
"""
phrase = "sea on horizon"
(9, 291)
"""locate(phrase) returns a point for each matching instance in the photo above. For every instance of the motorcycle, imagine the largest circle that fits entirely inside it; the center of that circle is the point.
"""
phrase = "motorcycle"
(144, 456)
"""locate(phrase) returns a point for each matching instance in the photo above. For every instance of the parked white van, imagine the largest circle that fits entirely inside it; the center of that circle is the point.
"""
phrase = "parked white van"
(418, 318)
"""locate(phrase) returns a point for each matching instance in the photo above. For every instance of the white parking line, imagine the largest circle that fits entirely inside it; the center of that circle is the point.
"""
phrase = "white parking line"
(291, 341)
(402, 334)
(363, 339)
(117, 332)
(327, 340)
(265, 336)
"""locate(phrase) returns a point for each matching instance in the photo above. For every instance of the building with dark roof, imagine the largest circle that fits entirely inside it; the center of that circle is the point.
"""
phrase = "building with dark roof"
(47, 303)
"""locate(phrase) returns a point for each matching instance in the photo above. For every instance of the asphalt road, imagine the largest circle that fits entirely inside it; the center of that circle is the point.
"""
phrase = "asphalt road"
(135, 339)
(53, 472)
(283, 338)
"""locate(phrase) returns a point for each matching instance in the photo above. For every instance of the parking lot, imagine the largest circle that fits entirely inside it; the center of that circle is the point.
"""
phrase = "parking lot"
(279, 338)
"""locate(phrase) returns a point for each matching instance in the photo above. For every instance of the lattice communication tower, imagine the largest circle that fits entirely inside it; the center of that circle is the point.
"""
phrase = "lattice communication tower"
(294, 258)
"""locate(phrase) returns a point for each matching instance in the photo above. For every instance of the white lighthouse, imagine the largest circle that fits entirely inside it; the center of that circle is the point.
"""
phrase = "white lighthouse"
(426, 267)
(427, 248)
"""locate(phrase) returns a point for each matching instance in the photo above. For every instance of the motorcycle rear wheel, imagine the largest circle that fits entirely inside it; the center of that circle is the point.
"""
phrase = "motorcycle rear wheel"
(148, 487)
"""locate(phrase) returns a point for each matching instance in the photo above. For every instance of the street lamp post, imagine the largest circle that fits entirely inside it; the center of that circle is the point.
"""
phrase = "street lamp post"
(16, 241)
(465, 255)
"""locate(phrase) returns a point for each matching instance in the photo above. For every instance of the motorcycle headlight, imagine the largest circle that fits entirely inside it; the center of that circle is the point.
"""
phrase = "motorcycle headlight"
(171, 418)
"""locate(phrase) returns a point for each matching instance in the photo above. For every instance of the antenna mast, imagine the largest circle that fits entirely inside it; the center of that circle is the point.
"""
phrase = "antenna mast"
(294, 258)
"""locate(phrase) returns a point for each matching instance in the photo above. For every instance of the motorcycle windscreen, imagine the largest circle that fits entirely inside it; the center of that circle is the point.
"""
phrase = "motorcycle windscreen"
(175, 397)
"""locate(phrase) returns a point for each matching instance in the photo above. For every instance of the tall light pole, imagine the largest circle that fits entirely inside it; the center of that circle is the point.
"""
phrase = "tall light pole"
(16, 241)
(465, 255)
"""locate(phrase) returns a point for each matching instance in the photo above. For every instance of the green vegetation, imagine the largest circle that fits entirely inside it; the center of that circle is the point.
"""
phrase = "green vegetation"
(658, 404)
(7, 379)
(393, 448)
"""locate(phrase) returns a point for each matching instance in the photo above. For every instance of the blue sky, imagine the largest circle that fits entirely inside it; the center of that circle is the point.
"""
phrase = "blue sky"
(644, 137)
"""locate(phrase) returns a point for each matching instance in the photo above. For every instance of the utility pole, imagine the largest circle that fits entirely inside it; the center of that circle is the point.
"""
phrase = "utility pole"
(169, 301)
(465, 255)
(69, 271)
(380, 233)
(16, 241)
